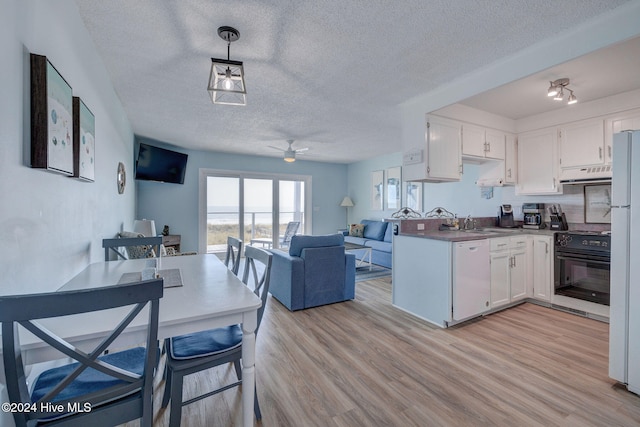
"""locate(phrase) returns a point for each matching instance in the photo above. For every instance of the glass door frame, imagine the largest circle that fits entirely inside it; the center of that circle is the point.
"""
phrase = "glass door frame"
(204, 173)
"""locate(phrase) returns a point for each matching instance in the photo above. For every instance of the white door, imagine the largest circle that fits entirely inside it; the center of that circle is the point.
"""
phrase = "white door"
(582, 143)
(518, 274)
(542, 268)
(495, 144)
(500, 264)
(443, 150)
(473, 140)
(537, 157)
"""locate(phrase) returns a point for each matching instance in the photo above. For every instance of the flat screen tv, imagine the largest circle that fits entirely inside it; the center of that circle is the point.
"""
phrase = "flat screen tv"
(159, 164)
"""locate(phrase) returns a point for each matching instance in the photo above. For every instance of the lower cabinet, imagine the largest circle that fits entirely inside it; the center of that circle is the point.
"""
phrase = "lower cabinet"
(542, 267)
(508, 259)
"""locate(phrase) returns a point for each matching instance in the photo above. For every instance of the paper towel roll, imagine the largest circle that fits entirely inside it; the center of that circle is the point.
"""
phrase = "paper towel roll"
(490, 182)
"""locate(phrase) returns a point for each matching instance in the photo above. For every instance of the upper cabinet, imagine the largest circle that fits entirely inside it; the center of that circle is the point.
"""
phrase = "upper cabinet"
(629, 120)
(511, 160)
(537, 162)
(439, 159)
(582, 144)
(480, 143)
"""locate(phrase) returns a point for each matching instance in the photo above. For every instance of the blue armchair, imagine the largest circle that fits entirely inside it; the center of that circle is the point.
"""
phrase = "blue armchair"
(315, 271)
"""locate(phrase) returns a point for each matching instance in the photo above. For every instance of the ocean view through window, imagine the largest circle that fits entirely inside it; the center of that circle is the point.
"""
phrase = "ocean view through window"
(250, 207)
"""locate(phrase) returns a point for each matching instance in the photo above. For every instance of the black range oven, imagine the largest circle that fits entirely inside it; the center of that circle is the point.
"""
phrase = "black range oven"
(582, 266)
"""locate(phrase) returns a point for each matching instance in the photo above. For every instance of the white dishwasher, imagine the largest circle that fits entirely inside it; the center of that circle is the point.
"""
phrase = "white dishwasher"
(471, 278)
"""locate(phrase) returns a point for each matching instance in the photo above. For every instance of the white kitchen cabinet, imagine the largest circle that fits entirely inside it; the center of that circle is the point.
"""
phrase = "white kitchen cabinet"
(439, 160)
(542, 269)
(508, 270)
(495, 144)
(628, 120)
(480, 143)
(500, 264)
(519, 274)
(511, 159)
(473, 142)
(537, 163)
(582, 144)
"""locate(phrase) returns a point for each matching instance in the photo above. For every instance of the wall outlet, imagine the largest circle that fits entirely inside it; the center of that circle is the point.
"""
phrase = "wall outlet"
(420, 226)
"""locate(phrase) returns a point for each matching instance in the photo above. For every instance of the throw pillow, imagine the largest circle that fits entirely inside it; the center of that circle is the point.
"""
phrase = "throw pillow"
(356, 230)
(136, 252)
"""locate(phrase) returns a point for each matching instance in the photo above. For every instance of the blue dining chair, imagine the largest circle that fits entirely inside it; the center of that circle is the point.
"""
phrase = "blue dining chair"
(234, 251)
(191, 353)
(97, 389)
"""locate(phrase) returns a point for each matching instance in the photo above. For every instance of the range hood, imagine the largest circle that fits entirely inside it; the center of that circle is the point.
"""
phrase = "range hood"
(586, 175)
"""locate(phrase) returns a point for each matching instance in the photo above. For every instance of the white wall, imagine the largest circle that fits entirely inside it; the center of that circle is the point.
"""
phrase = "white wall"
(52, 226)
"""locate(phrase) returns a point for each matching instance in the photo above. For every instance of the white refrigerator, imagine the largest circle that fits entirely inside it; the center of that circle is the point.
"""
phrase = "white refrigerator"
(624, 320)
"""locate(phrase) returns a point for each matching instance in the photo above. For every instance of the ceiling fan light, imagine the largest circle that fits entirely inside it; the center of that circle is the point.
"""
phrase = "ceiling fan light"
(572, 99)
(290, 156)
(552, 91)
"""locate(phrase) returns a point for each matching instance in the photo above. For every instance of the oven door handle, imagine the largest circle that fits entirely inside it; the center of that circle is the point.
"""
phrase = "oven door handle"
(585, 259)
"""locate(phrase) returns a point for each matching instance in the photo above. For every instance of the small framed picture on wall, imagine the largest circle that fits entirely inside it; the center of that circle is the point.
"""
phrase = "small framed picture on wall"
(377, 190)
(393, 190)
(597, 204)
(412, 195)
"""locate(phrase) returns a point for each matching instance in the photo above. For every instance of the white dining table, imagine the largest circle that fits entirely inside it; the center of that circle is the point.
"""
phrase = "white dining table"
(211, 296)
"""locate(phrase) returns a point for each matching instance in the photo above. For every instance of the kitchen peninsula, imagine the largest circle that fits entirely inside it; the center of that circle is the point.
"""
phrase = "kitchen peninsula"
(447, 277)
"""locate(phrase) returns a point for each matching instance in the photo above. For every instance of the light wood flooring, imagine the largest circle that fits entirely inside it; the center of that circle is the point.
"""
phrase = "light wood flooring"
(366, 363)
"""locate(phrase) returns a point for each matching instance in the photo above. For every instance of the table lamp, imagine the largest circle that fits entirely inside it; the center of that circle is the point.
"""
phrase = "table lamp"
(146, 227)
(347, 203)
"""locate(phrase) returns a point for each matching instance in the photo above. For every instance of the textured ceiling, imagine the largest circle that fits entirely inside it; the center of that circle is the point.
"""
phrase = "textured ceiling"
(326, 73)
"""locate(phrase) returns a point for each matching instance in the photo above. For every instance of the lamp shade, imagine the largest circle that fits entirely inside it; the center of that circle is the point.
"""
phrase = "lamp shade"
(346, 202)
(146, 227)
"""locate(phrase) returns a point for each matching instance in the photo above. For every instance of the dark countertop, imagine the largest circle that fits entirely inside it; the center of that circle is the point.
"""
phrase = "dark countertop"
(483, 233)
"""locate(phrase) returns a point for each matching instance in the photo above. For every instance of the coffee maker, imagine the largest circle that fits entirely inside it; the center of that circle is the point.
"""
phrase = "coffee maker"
(533, 215)
(505, 217)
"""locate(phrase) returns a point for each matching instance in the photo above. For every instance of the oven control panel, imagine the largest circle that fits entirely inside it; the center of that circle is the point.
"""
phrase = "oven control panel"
(590, 241)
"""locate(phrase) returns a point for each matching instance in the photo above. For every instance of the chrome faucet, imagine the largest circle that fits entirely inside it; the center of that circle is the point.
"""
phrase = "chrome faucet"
(467, 222)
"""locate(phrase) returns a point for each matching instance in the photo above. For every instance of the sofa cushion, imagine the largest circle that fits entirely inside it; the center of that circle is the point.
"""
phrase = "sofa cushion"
(374, 229)
(299, 242)
(379, 246)
(356, 240)
(356, 230)
(388, 235)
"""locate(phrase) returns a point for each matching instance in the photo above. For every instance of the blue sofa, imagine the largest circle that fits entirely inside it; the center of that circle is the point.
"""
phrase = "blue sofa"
(377, 235)
(315, 271)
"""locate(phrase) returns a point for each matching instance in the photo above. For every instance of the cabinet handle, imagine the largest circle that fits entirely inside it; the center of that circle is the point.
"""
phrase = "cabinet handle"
(509, 172)
(600, 153)
(546, 248)
(553, 187)
(488, 147)
(609, 149)
(514, 262)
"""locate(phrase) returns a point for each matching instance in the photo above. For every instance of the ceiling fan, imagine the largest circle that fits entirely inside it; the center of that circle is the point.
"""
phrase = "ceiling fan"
(290, 152)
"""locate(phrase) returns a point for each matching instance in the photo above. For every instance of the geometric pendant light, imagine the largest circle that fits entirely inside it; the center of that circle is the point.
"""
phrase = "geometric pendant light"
(226, 80)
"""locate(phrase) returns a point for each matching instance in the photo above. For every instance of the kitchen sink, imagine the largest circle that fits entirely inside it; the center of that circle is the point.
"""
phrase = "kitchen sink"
(493, 230)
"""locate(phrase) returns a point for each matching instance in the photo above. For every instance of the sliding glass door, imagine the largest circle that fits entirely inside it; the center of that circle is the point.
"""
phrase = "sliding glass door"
(253, 207)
